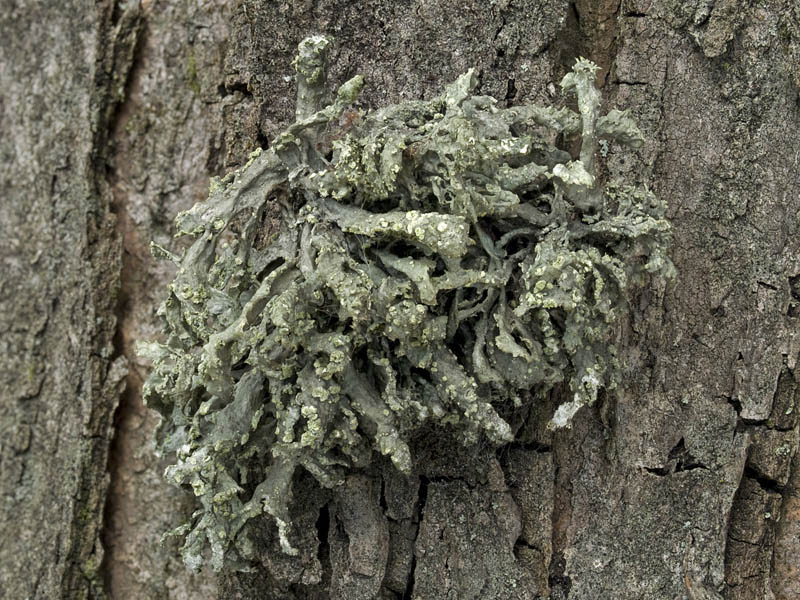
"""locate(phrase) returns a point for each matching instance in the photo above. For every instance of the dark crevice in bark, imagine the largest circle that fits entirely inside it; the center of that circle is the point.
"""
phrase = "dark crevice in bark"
(127, 51)
(735, 403)
(226, 89)
(751, 529)
(408, 594)
(573, 6)
(670, 469)
(752, 422)
(441, 479)
(614, 47)
(557, 579)
(262, 139)
(794, 286)
(521, 543)
(679, 459)
(684, 460)
(794, 292)
(767, 285)
(591, 29)
(660, 167)
(499, 29)
(568, 44)
(689, 467)
(751, 425)
(748, 543)
(117, 40)
(564, 466)
(766, 484)
(120, 59)
(511, 91)
(384, 505)
(696, 337)
(422, 499)
(116, 13)
(704, 19)
(660, 471)
(323, 525)
(423, 496)
(531, 447)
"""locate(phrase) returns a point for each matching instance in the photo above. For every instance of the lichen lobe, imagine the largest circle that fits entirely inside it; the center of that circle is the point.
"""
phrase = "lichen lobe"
(436, 261)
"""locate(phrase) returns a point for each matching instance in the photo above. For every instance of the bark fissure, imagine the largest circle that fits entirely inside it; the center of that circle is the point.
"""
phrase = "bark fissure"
(83, 577)
(130, 28)
(765, 483)
(419, 512)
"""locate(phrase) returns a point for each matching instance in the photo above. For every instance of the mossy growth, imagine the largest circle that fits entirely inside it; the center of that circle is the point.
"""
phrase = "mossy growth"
(435, 260)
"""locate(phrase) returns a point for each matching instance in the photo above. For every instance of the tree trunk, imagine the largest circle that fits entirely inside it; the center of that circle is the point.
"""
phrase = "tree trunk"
(686, 484)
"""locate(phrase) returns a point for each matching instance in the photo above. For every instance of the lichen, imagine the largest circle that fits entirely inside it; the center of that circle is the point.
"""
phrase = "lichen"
(436, 261)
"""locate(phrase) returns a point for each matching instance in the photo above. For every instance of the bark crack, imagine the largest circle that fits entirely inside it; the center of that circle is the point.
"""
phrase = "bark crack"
(123, 63)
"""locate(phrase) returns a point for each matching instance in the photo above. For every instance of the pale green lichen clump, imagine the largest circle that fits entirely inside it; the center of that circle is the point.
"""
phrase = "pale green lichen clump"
(435, 260)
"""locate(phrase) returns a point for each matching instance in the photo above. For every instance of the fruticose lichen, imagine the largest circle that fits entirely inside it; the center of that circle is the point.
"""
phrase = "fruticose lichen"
(435, 260)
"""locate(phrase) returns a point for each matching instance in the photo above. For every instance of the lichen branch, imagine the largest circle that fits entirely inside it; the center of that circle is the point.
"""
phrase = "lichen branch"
(436, 262)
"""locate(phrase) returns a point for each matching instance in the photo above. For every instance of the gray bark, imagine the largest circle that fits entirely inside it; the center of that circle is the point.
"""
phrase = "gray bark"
(686, 485)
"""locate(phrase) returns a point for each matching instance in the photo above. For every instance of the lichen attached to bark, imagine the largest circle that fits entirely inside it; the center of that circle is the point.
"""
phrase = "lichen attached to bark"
(436, 260)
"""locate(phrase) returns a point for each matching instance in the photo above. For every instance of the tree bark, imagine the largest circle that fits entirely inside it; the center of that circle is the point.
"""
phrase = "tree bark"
(686, 484)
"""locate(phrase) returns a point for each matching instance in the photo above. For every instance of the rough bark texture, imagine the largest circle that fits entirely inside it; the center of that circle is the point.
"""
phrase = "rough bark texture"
(114, 115)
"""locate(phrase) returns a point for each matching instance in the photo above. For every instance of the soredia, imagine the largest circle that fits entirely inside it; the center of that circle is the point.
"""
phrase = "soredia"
(435, 260)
